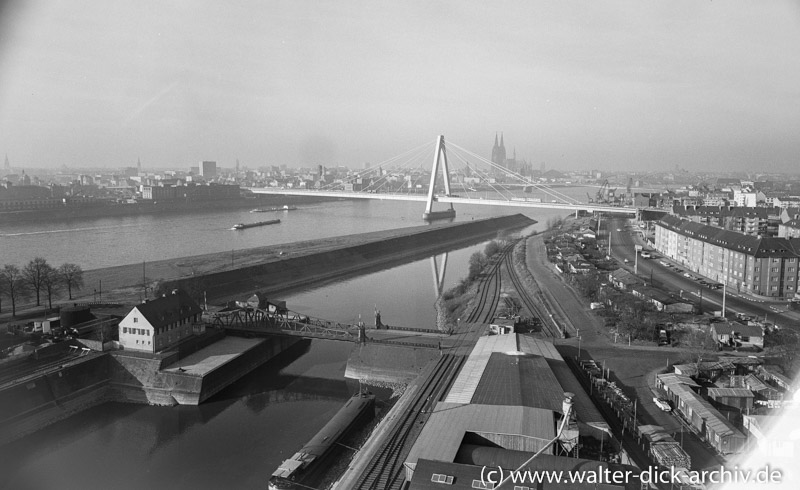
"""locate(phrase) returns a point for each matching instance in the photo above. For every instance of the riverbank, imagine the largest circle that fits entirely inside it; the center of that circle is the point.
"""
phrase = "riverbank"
(143, 208)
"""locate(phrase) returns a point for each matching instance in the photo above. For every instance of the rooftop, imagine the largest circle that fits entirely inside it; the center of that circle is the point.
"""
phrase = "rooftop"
(758, 247)
(169, 309)
(730, 393)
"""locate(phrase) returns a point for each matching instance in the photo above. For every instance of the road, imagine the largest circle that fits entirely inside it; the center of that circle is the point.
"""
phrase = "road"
(633, 367)
(622, 247)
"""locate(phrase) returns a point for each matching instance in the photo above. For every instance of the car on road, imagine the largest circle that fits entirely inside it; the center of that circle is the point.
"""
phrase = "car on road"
(664, 263)
(715, 285)
(618, 229)
(626, 260)
(662, 404)
(645, 255)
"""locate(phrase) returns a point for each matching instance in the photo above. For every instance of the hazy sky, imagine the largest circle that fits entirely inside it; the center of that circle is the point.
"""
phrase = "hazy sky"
(575, 84)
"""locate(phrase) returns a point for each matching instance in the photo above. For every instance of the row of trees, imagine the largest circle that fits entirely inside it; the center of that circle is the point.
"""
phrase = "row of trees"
(40, 279)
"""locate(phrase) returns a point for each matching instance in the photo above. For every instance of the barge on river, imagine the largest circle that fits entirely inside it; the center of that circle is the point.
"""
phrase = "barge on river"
(285, 207)
(244, 226)
(294, 470)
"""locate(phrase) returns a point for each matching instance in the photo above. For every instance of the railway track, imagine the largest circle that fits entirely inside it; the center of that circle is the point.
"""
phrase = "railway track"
(385, 471)
(489, 291)
(526, 299)
(25, 373)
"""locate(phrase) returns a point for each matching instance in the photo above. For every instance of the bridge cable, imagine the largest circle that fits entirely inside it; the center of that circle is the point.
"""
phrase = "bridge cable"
(548, 190)
(487, 177)
(385, 178)
(376, 166)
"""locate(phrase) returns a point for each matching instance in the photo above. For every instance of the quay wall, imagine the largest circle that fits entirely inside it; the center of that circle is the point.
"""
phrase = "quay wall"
(80, 384)
(138, 379)
(40, 401)
(284, 273)
(388, 363)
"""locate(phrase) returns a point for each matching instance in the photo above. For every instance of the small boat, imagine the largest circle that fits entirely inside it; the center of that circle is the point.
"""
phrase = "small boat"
(244, 226)
(285, 207)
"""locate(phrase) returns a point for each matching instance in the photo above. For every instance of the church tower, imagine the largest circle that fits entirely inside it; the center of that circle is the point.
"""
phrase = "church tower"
(499, 151)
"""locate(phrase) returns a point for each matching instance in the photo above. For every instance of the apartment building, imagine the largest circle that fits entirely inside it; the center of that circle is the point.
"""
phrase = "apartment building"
(766, 266)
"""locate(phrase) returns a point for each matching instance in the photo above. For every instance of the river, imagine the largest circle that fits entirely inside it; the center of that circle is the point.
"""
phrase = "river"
(238, 437)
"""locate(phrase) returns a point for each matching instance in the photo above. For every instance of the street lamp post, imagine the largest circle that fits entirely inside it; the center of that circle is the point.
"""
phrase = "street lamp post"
(724, 290)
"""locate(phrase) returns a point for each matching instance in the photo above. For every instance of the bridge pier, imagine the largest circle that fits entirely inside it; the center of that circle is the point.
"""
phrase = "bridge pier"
(439, 215)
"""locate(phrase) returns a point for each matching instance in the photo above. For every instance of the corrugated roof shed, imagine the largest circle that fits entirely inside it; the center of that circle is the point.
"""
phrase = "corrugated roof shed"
(755, 384)
(513, 379)
(730, 393)
(671, 379)
(713, 419)
(741, 361)
(471, 372)
(445, 429)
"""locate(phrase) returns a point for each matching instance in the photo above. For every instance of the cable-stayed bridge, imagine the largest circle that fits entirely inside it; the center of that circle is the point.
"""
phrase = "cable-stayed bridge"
(399, 179)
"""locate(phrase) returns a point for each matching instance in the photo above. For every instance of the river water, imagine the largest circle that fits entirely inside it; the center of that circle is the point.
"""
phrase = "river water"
(237, 438)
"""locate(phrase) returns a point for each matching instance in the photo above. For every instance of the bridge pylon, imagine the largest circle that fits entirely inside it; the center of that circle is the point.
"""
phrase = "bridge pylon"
(439, 157)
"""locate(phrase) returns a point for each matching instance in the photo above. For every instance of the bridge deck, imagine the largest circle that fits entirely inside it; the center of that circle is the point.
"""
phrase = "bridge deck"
(448, 199)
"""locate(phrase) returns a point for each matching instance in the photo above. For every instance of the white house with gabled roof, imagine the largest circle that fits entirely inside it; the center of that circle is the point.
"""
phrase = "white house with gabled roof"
(158, 324)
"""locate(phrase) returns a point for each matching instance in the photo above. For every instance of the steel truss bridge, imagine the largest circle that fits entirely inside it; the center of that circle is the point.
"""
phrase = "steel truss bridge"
(255, 321)
(446, 196)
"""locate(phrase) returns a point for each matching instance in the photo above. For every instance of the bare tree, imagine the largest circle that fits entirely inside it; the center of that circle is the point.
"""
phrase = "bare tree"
(34, 274)
(72, 276)
(12, 285)
(52, 283)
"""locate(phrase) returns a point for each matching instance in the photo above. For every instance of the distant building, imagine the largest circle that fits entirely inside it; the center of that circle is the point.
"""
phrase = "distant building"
(790, 229)
(499, 151)
(208, 169)
(765, 266)
(158, 324)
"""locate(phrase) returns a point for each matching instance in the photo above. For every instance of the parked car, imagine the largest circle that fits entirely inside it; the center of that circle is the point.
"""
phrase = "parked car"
(664, 263)
(645, 255)
(662, 404)
(686, 274)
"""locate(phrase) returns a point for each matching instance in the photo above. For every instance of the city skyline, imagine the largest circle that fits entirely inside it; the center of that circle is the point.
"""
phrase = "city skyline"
(575, 85)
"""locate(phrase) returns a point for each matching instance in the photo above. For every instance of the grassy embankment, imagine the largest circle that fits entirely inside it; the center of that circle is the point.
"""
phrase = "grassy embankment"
(454, 303)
